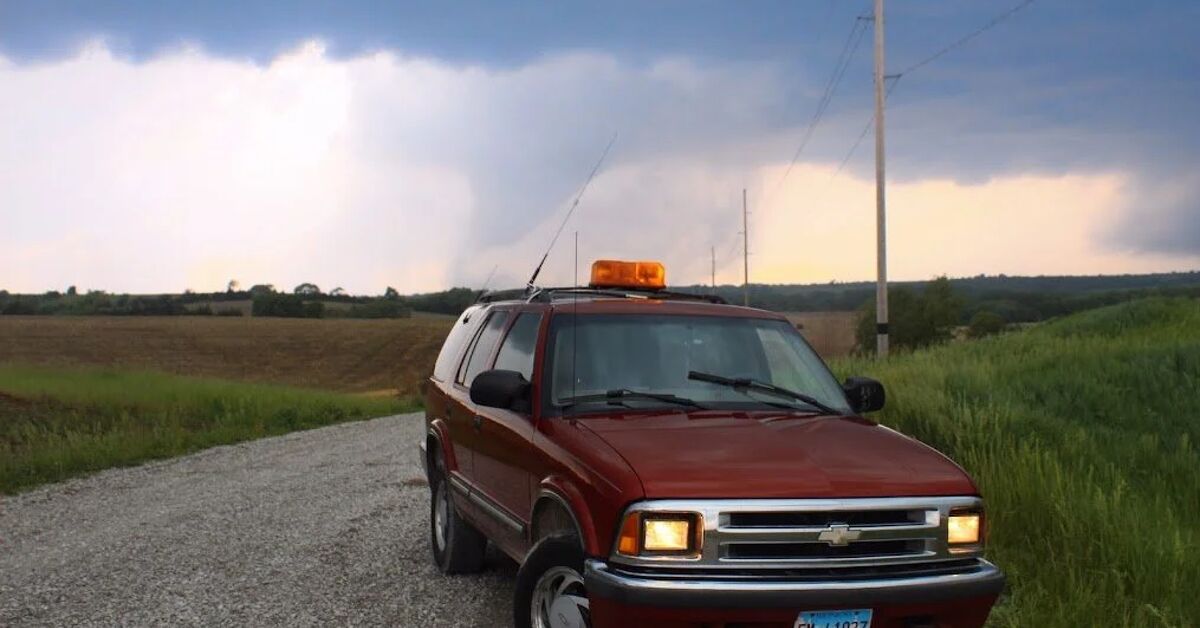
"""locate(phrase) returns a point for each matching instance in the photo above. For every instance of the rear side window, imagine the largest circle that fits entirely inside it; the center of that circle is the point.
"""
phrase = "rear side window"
(516, 354)
(485, 342)
(452, 348)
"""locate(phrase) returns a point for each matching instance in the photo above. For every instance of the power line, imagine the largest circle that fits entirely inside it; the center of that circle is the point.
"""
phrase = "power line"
(866, 129)
(839, 70)
(995, 21)
(895, 78)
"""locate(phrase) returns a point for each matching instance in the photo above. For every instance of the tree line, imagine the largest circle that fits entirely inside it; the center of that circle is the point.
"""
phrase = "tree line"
(981, 303)
(304, 301)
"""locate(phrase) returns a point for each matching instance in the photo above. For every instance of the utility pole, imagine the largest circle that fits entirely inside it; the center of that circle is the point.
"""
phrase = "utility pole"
(745, 252)
(881, 296)
(714, 269)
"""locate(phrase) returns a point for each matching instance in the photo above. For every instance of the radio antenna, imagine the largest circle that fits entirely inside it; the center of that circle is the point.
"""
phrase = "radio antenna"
(574, 204)
(483, 288)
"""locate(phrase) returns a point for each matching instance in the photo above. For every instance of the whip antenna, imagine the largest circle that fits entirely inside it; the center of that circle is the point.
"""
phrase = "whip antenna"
(484, 287)
(574, 204)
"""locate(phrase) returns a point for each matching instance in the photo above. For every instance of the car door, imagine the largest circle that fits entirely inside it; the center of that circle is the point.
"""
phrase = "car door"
(463, 420)
(503, 453)
(441, 403)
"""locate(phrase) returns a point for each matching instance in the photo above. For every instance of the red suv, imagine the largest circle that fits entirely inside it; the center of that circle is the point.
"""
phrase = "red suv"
(660, 459)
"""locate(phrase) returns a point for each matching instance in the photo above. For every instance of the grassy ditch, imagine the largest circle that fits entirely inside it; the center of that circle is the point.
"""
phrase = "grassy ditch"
(58, 423)
(1082, 434)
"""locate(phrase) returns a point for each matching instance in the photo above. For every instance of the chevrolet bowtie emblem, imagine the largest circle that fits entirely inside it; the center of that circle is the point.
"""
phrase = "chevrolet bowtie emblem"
(839, 535)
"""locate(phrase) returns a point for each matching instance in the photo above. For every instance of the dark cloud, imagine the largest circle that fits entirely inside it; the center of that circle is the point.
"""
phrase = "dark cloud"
(1163, 215)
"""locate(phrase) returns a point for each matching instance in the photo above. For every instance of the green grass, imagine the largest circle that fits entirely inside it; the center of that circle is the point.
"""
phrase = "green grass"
(1082, 434)
(60, 423)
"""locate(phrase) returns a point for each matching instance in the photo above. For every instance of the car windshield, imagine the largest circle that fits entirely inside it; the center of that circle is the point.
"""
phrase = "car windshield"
(592, 354)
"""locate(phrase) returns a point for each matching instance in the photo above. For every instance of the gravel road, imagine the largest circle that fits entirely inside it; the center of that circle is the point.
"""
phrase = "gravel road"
(328, 526)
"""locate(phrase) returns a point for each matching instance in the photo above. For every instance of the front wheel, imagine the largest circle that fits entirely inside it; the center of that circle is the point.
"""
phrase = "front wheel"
(550, 591)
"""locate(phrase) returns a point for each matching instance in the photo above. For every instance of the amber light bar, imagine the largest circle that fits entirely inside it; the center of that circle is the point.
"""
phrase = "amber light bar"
(607, 273)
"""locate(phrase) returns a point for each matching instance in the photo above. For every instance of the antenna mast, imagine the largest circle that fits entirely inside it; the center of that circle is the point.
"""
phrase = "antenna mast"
(574, 204)
(745, 252)
(713, 250)
(483, 288)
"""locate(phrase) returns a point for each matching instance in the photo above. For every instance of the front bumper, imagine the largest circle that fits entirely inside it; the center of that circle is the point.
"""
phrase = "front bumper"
(983, 581)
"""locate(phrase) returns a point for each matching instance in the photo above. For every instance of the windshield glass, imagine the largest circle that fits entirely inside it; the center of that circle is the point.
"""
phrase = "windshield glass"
(655, 354)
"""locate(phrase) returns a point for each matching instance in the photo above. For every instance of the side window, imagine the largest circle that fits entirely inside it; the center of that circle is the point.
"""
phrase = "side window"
(482, 349)
(516, 354)
(452, 347)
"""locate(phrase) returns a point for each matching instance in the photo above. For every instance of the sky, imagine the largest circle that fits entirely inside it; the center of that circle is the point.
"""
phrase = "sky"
(159, 146)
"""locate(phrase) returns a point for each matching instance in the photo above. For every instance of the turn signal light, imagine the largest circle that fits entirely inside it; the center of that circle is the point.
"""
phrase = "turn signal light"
(630, 531)
(607, 273)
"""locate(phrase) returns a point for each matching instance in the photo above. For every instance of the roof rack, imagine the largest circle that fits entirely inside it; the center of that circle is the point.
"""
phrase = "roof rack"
(548, 294)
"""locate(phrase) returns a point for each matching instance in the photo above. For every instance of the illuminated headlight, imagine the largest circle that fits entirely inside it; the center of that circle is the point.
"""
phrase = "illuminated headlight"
(964, 528)
(660, 534)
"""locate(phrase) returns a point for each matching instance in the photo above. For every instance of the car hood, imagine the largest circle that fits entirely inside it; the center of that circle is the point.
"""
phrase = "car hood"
(714, 454)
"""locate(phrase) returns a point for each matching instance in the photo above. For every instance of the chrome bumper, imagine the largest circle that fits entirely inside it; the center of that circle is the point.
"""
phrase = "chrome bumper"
(712, 592)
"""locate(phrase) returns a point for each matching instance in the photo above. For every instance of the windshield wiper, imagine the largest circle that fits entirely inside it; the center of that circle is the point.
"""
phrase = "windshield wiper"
(616, 396)
(744, 384)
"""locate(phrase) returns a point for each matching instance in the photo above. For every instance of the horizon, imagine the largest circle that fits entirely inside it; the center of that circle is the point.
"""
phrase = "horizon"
(834, 282)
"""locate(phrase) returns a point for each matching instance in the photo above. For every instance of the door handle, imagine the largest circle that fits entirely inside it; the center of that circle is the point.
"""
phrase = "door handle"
(478, 422)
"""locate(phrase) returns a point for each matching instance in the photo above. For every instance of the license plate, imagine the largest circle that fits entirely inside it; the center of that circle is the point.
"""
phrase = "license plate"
(858, 618)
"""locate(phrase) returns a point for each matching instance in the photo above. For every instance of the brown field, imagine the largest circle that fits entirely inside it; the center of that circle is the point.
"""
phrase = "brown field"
(386, 356)
(830, 333)
(379, 356)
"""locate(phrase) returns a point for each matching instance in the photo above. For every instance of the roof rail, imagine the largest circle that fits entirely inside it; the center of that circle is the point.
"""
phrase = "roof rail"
(548, 294)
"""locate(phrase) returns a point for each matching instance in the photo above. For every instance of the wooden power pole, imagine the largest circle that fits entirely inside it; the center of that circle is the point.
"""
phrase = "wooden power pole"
(881, 296)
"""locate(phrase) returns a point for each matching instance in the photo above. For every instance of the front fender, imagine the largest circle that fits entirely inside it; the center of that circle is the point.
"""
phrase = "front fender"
(558, 488)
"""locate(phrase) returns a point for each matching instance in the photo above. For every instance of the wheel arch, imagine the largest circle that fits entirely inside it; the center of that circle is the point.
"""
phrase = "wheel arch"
(555, 495)
(437, 443)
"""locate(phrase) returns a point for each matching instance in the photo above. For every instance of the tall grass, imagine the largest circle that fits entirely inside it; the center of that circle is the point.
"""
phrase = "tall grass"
(1082, 434)
(59, 423)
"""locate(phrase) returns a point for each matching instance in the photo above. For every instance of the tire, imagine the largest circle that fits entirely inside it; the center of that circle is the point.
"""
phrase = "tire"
(550, 584)
(457, 547)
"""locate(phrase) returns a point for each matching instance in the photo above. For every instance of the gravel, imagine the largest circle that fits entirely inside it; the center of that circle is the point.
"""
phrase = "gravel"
(328, 526)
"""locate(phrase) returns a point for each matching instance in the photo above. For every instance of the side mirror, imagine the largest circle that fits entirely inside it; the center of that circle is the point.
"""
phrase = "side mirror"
(864, 394)
(501, 389)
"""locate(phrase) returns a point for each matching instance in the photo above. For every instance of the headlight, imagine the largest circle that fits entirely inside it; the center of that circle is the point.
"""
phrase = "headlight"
(965, 528)
(661, 534)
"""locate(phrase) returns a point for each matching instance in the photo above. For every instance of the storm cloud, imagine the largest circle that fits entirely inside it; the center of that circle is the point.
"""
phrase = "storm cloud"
(187, 166)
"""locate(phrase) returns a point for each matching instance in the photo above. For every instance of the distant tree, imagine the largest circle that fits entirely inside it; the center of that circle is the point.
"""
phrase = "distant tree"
(914, 320)
(452, 301)
(313, 309)
(985, 323)
(52, 294)
(262, 288)
(286, 305)
(71, 291)
(306, 289)
(941, 311)
(391, 294)
(232, 286)
(338, 292)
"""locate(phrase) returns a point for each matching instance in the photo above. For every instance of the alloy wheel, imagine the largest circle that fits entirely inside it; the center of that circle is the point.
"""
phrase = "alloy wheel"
(560, 600)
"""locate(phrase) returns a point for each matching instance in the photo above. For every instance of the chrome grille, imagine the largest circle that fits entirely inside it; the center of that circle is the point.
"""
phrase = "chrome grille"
(814, 534)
